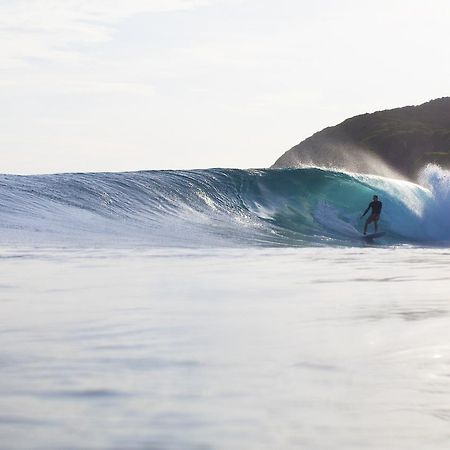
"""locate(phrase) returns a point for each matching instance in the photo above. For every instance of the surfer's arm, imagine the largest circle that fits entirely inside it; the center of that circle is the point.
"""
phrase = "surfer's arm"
(365, 212)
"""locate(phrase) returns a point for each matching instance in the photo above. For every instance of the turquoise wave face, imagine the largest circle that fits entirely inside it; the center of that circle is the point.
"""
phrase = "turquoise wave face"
(226, 207)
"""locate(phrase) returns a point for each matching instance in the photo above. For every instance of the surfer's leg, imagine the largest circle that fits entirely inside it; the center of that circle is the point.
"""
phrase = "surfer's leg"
(375, 222)
(366, 225)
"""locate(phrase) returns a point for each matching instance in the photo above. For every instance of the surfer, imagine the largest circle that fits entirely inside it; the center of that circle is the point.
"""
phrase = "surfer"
(374, 217)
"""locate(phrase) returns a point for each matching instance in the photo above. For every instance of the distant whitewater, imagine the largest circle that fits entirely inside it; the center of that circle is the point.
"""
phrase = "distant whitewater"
(220, 207)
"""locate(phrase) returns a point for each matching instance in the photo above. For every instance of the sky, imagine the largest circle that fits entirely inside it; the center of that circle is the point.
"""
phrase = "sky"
(114, 85)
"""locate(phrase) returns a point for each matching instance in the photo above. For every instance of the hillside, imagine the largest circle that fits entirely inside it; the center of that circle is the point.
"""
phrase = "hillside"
(405, 139)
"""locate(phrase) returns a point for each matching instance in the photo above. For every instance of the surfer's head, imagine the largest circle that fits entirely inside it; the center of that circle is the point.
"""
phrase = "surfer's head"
(375, 198)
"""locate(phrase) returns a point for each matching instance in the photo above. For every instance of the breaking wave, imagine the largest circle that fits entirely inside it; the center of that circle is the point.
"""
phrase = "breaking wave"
(221, 207)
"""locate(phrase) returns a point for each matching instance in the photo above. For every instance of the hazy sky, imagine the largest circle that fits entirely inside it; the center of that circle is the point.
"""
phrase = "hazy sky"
(89, 85)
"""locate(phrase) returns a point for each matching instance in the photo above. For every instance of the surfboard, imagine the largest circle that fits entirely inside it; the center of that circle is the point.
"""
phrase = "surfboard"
(373, 235)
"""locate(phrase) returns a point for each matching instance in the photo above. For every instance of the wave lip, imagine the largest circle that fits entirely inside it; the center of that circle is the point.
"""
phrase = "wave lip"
(220, 207)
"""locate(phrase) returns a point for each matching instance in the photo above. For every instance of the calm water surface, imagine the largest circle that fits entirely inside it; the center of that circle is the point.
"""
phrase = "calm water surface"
(319, 348)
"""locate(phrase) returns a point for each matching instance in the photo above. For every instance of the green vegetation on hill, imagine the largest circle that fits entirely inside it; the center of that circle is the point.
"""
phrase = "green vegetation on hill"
(404, 138)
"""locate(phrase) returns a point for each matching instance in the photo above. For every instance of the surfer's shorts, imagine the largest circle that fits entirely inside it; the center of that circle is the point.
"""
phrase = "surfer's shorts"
(374, 218)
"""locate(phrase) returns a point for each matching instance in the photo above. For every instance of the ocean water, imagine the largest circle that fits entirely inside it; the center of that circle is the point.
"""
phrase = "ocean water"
(220, 208)
(223, 309)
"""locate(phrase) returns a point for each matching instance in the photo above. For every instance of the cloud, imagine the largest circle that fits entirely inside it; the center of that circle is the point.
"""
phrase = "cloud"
(49, 29)
(56, 85)
(56, 14)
